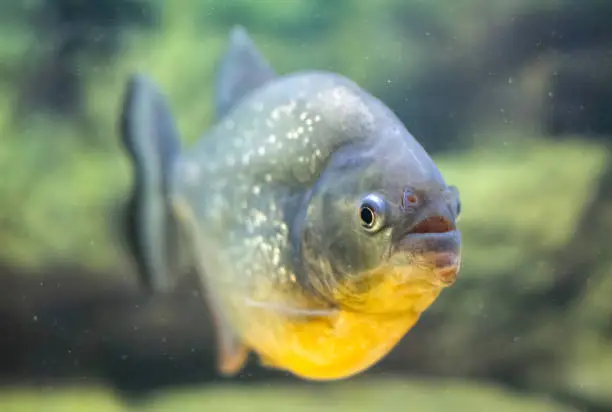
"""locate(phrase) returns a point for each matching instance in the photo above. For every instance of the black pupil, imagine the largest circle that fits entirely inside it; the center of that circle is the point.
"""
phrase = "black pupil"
(367, 216)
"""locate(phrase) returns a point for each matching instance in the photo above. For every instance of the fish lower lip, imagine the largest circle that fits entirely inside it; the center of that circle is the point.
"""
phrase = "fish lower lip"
(433, 235)
(430, 243)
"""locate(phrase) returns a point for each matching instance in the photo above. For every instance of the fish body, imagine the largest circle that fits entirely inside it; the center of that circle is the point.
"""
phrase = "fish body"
(321, 229)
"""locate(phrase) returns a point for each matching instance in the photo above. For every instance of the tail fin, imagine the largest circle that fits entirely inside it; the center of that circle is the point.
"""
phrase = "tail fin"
(151, 139)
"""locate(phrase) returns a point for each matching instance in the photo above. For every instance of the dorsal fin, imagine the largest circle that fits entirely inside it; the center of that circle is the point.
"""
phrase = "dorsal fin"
(242, 69)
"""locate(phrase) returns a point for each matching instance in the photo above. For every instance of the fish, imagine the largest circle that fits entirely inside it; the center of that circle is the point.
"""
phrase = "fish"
(320, 228)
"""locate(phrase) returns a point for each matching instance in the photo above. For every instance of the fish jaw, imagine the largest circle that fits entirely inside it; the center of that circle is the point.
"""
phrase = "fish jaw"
(419, 267)
(374, 311)
(334, 343)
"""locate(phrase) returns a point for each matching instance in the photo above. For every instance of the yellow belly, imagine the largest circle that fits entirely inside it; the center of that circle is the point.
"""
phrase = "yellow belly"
(330, 347)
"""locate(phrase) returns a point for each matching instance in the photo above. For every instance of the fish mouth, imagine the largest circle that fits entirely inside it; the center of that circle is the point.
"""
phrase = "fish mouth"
(421, 263)
(434, 244)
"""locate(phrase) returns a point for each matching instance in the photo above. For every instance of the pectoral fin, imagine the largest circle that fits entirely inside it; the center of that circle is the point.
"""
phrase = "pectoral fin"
(292, 311)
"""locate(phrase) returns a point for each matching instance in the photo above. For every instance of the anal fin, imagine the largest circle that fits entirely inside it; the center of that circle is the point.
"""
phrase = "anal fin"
(232, 354)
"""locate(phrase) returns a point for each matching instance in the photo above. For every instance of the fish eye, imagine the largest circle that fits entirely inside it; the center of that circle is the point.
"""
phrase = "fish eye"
(372, 212)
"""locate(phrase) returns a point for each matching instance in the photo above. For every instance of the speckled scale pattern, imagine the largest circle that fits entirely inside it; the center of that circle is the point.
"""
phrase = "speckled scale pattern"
(258, 162)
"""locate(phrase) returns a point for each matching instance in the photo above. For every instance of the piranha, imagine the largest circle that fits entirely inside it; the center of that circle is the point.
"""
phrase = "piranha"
(320, 228)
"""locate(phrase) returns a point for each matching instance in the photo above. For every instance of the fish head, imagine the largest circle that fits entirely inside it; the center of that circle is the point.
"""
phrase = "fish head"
(378, 232)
